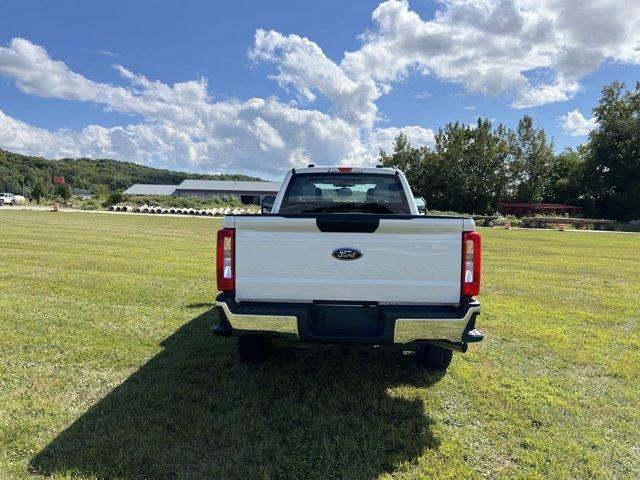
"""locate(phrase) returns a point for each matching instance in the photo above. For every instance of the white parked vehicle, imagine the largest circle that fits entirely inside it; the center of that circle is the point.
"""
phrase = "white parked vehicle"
(8, 199)
(342, 256)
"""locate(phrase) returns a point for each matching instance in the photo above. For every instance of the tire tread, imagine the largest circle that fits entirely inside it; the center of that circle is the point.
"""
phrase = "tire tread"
(433, 357)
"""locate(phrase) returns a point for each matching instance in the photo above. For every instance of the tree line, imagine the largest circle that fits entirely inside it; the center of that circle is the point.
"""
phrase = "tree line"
(34, 175)
(473, 168)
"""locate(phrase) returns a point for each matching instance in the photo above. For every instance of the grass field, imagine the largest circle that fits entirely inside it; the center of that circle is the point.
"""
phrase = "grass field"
(108, 368)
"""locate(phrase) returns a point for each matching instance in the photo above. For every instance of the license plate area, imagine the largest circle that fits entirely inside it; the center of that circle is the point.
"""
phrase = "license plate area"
(346, 321)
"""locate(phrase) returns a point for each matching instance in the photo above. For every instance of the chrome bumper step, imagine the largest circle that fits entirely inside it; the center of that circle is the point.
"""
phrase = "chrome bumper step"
(396, 324)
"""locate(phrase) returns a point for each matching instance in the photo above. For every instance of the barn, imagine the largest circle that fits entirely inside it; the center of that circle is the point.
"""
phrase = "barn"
(246, 192)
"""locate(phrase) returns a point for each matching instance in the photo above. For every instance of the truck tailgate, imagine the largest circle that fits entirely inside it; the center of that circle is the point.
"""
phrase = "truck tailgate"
(405, 260)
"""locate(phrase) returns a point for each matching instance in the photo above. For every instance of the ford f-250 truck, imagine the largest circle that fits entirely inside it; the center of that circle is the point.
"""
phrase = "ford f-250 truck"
(344, 257)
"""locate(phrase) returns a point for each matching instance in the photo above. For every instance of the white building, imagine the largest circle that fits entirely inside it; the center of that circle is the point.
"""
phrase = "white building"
(246, 192)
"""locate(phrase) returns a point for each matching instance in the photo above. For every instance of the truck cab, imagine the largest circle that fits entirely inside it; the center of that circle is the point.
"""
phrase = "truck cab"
(345, 258)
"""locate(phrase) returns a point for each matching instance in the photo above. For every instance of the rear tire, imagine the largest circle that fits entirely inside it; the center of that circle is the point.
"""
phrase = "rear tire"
(254, 348)
(433, 357)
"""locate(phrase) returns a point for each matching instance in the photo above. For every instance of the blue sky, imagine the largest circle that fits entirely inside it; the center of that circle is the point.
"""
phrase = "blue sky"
(190, 69)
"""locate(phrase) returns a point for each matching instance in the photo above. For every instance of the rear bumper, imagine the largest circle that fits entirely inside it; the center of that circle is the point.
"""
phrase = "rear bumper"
(350, 323)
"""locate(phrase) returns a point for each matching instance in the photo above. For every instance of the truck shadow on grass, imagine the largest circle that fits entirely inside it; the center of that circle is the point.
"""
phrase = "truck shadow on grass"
(193, 411)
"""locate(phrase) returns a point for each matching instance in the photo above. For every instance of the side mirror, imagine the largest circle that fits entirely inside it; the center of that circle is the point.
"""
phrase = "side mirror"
(421, 203)
(267, 203)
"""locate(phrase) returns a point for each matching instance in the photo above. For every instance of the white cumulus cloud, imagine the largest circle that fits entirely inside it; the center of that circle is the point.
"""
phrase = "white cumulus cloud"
(183, 126)
(268, 136)
(302, 64)
(418, 137)
(533, 52)
(528, 52)
(576, 125)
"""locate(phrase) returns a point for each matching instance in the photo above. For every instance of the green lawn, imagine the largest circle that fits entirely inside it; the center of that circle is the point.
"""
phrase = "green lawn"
(108, 368)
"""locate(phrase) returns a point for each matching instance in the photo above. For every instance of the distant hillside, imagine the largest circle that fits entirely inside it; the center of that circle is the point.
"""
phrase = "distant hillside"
(85, 173)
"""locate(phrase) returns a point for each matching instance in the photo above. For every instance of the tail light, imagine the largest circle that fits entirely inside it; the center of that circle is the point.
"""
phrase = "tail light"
(471, 263)
(226, 260)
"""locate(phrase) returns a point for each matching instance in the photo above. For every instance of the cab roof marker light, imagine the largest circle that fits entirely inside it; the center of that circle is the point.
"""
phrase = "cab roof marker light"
(345, 170)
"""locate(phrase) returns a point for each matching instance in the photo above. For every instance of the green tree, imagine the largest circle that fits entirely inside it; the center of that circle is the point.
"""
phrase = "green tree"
(63, 192)
(404, 156)
(611, 180)
(38, 192)
(466, 171)
(100, 191)
(565, 177)
(87, 173)
(417, 165)
(407, 159)
(472, 165)
(531, 163)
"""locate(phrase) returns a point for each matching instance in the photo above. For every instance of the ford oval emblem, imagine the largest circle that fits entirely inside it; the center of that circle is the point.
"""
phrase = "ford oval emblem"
(346, 254)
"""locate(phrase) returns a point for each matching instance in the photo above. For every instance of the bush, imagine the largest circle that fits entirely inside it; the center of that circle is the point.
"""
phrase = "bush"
(114, 199)
(90, 204)
(514, 221)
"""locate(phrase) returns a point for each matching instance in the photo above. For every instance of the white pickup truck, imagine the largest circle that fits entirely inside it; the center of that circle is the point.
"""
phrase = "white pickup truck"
(342, 256)
(8, 199)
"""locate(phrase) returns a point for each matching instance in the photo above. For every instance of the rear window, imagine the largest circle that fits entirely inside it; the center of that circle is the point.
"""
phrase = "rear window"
(345, 193)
